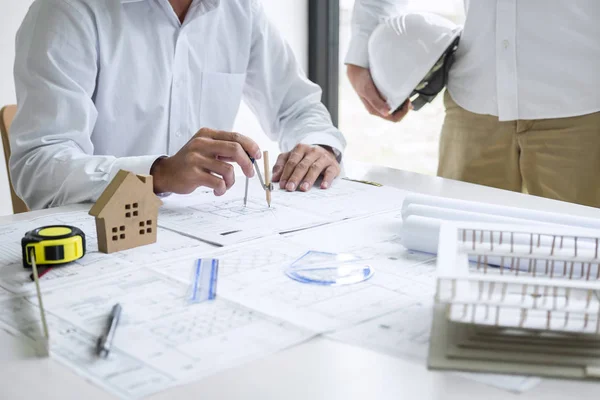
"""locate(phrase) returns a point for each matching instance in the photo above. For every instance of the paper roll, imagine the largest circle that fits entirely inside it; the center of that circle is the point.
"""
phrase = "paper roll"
(423, 216)
(421, 233)
(498, 211)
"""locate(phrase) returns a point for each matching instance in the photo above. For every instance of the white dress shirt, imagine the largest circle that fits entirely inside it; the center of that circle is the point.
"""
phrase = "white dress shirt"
(517, 59)
(114, 84)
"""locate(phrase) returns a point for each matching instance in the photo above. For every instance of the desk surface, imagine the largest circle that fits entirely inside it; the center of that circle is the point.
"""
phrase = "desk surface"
(321, 368)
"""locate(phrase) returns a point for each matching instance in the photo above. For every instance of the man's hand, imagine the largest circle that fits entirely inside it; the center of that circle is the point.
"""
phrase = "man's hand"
(205, 161)
(362, 82)
(301, 167)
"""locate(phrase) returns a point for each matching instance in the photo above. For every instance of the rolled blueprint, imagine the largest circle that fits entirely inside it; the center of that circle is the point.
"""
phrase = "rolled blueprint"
(423, 215)
(421, 233)
(493, 210)
(421, 225)
(448, 214)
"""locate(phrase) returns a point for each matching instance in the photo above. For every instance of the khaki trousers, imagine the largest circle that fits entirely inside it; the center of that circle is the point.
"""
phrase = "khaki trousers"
(555, 158)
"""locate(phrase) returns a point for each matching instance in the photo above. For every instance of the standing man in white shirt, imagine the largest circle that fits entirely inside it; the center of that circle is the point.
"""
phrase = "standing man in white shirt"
(523, 97)
(153, 86)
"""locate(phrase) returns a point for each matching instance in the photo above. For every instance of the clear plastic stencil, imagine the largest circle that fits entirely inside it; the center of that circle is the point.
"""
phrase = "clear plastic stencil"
(329, 269)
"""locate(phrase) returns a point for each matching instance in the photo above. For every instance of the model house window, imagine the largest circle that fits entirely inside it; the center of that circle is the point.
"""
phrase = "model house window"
(118, 233)
(131, 209)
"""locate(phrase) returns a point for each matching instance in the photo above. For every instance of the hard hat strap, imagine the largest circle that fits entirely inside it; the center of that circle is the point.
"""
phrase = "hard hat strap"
(435, 80)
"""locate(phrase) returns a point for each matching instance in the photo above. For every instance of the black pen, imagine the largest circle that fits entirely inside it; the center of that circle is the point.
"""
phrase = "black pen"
(105, 341)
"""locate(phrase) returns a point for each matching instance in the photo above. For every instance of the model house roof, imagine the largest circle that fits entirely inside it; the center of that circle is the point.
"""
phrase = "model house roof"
(124, 183)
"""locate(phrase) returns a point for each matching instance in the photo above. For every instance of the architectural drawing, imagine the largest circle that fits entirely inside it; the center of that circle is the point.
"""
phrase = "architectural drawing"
(161, 340)
(343, 200)
(164, 341)
(202, 322)
(227, 221)
(250, 278)
(405, 332)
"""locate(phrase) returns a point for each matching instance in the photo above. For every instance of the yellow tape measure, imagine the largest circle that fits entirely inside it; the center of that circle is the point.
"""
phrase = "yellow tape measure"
(53, 245)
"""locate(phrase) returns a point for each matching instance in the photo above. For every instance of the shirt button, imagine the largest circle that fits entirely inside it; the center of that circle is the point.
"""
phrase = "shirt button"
(178, 134)
(505, 43)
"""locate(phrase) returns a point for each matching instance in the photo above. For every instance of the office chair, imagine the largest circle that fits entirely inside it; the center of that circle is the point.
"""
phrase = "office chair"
(7, 114)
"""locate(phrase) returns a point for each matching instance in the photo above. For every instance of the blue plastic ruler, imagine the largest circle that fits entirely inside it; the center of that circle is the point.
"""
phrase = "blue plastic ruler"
(204, 281)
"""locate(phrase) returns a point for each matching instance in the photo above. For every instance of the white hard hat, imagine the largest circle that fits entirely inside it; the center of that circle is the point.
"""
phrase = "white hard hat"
(406, 49)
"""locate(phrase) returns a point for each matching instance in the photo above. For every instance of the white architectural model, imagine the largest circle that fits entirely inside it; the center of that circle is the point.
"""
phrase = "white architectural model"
(517, 300)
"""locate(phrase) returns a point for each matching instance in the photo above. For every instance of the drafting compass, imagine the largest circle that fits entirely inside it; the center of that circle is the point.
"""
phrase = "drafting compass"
(268, 186)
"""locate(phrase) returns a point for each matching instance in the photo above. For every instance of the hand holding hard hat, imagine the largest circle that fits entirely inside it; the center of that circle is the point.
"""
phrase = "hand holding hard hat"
(363, 85)
(410, 57)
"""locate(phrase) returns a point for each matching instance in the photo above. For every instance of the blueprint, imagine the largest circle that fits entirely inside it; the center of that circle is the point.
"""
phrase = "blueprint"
(161, 342)
(345, 199)
(390, 313)
(226, 221)
(405, 334)
(404, 330)
(252, 274)
(5, 293)
(164, 341)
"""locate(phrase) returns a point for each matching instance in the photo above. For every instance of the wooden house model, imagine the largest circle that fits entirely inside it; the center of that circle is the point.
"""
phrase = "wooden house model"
(126, 213)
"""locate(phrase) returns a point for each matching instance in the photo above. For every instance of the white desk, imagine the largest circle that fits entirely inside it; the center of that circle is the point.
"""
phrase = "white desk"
(320, 369)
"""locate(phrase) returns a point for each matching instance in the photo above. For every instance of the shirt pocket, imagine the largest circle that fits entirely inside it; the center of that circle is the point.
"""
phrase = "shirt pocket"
(221, 96)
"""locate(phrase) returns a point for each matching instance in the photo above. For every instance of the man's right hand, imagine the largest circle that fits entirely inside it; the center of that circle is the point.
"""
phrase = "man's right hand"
(205, 161)
(363, 84)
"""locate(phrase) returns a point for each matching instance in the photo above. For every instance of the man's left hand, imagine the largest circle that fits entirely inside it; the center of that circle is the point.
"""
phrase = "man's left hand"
(301, 167)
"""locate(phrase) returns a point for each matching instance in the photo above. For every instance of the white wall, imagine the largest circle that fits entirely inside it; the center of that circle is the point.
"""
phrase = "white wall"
(290, 16)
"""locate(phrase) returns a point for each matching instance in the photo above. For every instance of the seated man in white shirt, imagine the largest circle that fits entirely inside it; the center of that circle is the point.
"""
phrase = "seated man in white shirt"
(523, 101)
(153, 86)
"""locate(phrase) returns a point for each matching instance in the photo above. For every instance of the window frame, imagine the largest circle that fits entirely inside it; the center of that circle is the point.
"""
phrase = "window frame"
(323, 51)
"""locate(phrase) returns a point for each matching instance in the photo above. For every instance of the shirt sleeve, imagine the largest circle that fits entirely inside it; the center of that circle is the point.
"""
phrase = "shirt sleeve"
(52, 161)
(366, 16)
(286, 103)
